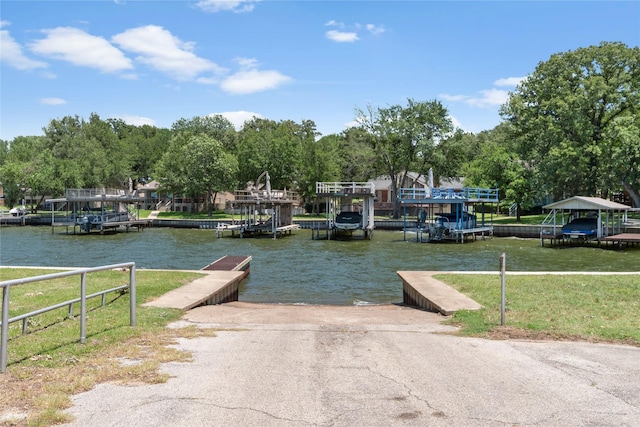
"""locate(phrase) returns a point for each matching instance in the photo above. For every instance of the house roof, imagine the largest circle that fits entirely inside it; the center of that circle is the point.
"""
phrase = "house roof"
(587, 203)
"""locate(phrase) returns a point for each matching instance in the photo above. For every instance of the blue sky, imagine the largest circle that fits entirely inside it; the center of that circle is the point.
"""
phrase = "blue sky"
(154, 62)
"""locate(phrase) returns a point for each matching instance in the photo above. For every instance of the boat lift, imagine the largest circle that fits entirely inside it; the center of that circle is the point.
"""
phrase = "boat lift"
(349, 208)
(448, 213)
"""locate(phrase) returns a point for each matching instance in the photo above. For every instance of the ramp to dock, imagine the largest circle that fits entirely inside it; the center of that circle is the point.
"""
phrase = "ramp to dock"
(421, 290)
(214, 288)
(229, 263)
(220, 285)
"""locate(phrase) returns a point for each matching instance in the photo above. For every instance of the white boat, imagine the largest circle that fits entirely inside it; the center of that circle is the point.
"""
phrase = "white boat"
(18, 211)
(348, 221)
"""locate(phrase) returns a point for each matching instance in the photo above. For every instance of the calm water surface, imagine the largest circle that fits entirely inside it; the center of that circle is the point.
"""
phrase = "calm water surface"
(297, 269)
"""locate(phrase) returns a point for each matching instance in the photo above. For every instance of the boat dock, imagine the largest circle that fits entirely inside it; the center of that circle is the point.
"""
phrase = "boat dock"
(420, 289)
(448, 214)
(102, 210)
(219, 285)
(630, 239)
(230, 263)
(459, 235)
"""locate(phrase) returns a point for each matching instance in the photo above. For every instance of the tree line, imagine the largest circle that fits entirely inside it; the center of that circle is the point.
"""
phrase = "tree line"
(571, 127)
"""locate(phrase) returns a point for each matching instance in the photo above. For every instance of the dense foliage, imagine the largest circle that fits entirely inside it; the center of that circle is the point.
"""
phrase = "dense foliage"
(572, 127)
(575, 122)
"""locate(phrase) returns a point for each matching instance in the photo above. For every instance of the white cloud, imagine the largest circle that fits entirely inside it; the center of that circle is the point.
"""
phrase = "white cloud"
(456, 123)
(351, 124)
(136, 120)
(80, 48)
(509, 81)
(454, 98)
(238, 118)
(341, 36)
(11, 52)
(237, 6)
(344, 35)
(489, 98)
(251, 81)
(159, 49)
(375, 29)
(53, 101)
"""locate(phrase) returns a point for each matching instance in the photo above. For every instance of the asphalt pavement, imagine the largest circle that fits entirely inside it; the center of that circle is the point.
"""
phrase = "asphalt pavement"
(282, 365)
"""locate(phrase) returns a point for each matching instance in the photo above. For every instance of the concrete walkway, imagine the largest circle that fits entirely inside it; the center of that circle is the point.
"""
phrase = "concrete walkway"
(280, 365)
(198, 291)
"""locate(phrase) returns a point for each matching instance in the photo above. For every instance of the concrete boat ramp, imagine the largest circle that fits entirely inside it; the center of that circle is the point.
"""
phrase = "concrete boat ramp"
(224, 275)
(220, 285)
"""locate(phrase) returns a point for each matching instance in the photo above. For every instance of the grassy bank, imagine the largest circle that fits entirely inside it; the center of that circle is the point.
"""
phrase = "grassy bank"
(602, 308)
(48, 365)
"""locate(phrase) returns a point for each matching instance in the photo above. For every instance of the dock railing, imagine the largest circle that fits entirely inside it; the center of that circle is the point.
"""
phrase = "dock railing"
(6, 286)
(464, 194)
(345, 188)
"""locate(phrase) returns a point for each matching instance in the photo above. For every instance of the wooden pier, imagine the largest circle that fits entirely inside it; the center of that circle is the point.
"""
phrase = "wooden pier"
(460, 236)
(231, 263)
(630, 239)
(108, 227)
(617, 240)
(220, 285)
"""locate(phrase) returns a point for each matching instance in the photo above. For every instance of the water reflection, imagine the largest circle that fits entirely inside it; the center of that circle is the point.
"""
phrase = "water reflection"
(297, 269)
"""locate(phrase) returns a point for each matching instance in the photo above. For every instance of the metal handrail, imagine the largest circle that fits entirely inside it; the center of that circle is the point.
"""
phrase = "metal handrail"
(345, 187)
(466, 193)
(6, 286)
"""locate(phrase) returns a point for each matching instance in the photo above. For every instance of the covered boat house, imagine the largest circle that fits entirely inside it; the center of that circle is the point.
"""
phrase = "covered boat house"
(262, 211)
(449, 213)
(584, 219)
(349, 208)
(96, 209)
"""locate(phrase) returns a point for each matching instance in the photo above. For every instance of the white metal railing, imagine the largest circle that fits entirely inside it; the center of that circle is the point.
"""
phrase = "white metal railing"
(264, 195)
(6, 286)
(466, 193)
(94, 192)
(345, 188)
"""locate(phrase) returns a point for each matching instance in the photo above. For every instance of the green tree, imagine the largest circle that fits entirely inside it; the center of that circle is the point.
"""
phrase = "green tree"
(215, 126)
(453, 153)
(195, 165)
(320, 162)
(108, 160)
(357, 158)
(404, 138)
(572, 113)
(146, 144)
(497, 165)
(87, 153)
(276, 147)
(29, 168)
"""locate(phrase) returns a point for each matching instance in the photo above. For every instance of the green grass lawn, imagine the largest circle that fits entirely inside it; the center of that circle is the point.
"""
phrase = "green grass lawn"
(49, 364)
(595, 308)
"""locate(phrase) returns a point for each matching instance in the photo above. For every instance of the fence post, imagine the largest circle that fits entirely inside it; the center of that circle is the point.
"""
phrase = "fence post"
(132, 295)
(502, 288)
(5, 328)
(83, 306)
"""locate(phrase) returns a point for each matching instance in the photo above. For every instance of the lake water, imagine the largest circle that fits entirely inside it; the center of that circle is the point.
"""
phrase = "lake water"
(297, 269)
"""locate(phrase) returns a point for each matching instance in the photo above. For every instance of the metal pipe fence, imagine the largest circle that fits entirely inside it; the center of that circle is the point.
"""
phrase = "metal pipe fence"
(6, 287)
